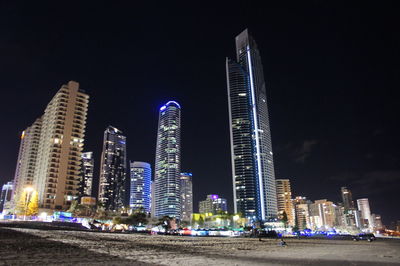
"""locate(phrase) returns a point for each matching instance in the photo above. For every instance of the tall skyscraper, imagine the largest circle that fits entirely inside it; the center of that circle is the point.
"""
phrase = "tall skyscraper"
(363, 207)
(57, 172)
(26, 162)
(284, 196)
(186, 196)
(113, 183)
(140, 188)
(347, 198)
(87, 171)
(251, 149)
(168, 162)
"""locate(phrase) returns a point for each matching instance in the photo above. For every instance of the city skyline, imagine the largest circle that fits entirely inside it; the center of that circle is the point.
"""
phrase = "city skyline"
(326, 124)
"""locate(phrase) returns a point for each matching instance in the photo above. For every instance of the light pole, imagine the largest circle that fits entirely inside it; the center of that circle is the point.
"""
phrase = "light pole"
(28, 191)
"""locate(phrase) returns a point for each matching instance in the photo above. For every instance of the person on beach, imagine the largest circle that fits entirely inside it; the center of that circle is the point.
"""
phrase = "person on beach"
(282, 243)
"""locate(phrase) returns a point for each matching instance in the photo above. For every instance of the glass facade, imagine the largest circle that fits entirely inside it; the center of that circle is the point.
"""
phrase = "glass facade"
(251, 149)
(186, 196)
(112, 187)
(87, 170)
(168, 162)
(140, 190)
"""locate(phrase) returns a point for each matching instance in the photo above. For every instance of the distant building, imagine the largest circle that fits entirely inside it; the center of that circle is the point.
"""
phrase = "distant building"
(140, 188)
(113, 181)
(378, 225)
(347, 198)
(168, 162)
(6, 195)
(302, 213)
(87, 170)
(186, 196)
(363, 207)
(284, 197)
(213, 204)
(253, 173)
(322, 215)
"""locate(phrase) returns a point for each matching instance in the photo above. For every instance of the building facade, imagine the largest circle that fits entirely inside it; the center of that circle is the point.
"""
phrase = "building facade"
(251, 149)
(87, 172)
(140, 188)
(113, 183)
(5, 196)
(213, 204)
(302, 212)
(347, 199)
(322, 215)
(186, 187)
(366, 219)
(57, 174)
(168, 162)
(27, 157)
(285, 202)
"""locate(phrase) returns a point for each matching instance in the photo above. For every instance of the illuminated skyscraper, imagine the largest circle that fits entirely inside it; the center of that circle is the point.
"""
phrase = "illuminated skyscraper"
(251, 150)
(347, 198)
(302, 212)
(213, 204)
(87, 170)
(112, 187)
(186, 196)
(57, 174)
(140, 189)
(168, 162)
(26, 162)
(363, 207)
(5, 196)
(284, 196)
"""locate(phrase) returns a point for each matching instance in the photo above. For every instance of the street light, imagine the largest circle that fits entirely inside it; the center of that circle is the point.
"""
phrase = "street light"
(28, 191)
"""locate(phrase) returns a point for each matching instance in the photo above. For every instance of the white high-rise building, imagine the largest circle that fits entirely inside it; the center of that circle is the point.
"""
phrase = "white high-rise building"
(363, 207)
(140, 188)
(26, 162)
(168, 162)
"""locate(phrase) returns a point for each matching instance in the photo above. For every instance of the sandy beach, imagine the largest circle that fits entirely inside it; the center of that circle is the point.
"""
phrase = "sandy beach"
(20, 246)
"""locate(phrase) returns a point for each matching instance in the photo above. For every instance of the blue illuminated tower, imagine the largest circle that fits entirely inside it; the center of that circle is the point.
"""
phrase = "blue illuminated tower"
(168, 162)
(251, 150)
(140, 190)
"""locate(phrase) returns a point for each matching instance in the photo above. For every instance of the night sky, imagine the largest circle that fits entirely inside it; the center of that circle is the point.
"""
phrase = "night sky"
(332, 71)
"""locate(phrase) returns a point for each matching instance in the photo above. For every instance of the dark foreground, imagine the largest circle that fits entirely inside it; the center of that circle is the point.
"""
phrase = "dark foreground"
(19, 246)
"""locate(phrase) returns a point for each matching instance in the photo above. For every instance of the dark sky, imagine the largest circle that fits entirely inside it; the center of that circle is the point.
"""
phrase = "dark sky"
(332, 73)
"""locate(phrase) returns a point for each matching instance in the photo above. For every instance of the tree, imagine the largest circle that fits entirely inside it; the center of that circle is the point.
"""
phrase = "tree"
(284, 218)
(117, 220)
(138, 217)
(33, 204)
(25, 201)
(20, 207)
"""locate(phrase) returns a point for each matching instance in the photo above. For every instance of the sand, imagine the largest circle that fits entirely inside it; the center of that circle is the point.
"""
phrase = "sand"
(19, 246)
